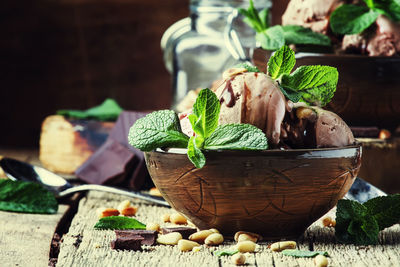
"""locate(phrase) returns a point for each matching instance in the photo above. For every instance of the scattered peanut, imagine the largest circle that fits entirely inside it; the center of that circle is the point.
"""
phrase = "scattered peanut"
(238, 259)
(124, 204)
(128, 211)
(186, 245)
(169, 239)
(155, 192)
(320, 261)
(196, 249)
(246, 246)
(106, 212)
(279, 246)
(328, 222)
(200, 236)
(165, 217)
(153, 227)
(244, 236)
(214, 239)
(177, 218)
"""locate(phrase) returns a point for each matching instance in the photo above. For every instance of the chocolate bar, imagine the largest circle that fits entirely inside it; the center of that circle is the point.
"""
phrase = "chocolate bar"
(149, 237)
(184, 231)
(127, 243)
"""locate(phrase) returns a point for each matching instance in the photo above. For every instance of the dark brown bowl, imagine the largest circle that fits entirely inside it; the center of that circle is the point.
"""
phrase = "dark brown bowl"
(368, 91)
(275, 193)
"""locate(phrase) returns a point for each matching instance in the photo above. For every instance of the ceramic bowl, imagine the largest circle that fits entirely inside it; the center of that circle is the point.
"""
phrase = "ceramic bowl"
(275, 193)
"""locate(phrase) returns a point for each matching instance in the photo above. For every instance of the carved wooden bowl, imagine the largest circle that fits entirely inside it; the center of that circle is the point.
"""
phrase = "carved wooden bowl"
(275, 193)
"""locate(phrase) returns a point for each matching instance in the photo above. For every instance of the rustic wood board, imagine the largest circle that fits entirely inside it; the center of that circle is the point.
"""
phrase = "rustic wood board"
(84, 246)
(25, 238)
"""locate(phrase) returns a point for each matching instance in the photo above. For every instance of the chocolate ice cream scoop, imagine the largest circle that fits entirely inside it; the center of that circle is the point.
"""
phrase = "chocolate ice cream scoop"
(253, 98)
(386, 40)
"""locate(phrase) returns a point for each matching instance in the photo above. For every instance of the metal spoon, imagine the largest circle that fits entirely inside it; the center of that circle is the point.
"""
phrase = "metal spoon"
(18, 170)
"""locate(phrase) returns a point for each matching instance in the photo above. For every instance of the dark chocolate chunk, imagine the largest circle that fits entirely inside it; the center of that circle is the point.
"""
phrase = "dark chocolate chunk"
(128, 243)
(184, 231)
(149, 237)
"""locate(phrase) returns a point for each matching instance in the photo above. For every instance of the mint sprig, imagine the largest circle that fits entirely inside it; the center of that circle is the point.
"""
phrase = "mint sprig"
(360, 223)
(157, 129)
(354, 19)
(273, 37)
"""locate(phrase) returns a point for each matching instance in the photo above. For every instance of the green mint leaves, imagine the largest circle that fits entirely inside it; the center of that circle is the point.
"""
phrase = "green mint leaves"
(157, 129)
(272, 38)
(225, 252)
(209, 136)
(303, 253)
(353, 19)
(26, 197)
(360, 223)
(162, 129)
(314, 85)
(119, 223)
(248, 67)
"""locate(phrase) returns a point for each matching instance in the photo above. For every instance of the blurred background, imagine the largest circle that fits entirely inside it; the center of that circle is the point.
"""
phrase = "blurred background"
(73, 54)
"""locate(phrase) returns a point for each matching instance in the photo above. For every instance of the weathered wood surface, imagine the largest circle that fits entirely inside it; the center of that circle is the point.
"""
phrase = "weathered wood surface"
(25, 239)
(84, 246)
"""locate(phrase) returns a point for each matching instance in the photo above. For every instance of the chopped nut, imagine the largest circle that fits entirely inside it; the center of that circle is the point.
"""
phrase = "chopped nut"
(243, 236)
(106, 212)
(155, 192)
(328, 222)
(246, 246)
(279, 246)
(165, 217)
(186, 245)
(124, 204)
(177, 218)
(153, 226)
(320, 261)
(169, 239)
(200, 236)
(238, 259)
(214, 239)
(129, 211)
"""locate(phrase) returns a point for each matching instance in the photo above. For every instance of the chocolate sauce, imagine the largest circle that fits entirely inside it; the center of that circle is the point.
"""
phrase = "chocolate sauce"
(228, 96)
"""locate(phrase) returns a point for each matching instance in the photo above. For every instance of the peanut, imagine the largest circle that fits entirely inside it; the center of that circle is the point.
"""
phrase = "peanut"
(128, 211)
(246, 246)
(169, 239)
(153, 227)
(320, 261)
(124, 204)
(106, 212)
(165, 217)
(243, 236)
(186, 245)
(177, 218)
(238, 259)
(214, 239)
(328, 222)
(200, 236)
(279, 246)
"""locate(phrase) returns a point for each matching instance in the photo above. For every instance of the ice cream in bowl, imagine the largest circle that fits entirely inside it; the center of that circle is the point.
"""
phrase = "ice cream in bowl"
(258, 154)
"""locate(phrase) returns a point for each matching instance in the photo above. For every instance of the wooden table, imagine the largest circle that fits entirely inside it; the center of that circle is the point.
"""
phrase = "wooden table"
(25, 240)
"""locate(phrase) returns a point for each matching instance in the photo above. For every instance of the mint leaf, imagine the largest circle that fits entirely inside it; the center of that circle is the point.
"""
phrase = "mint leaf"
(369, 3)
(119, 222)
(390, 8)
(293, 96)
(264, 17)
(248, 67)
(271, 38)
(253, 19)
(281, 62)
(157, 129)
(385, 210)
(316, 83)
(295, 34)
(194, 154)
(109, 110)
(354, 225)
(303, 253)
(26, 197)
(351, 19)
(237, 136)
(225, 252)
(206, 108)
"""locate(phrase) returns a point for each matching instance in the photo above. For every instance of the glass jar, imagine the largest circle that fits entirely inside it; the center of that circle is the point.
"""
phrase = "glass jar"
(198, 49)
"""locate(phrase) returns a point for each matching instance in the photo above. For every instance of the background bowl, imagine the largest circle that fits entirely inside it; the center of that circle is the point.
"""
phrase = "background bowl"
(275, 193)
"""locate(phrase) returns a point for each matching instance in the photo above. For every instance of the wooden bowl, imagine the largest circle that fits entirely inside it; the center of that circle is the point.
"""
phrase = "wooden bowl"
(368, 91)
(274, 193)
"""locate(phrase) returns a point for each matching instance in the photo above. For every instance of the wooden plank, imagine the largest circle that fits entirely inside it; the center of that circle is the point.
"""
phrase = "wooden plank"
(25, 238)
(84, 246)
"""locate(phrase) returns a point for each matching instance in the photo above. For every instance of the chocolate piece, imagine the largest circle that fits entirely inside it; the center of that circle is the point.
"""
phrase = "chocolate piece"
(149, 236)
(116, 162)
(371, 132)
(128, 243)
(184, 231)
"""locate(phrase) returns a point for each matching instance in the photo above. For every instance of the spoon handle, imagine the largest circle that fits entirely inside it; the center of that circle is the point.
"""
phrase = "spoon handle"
(114, 190)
